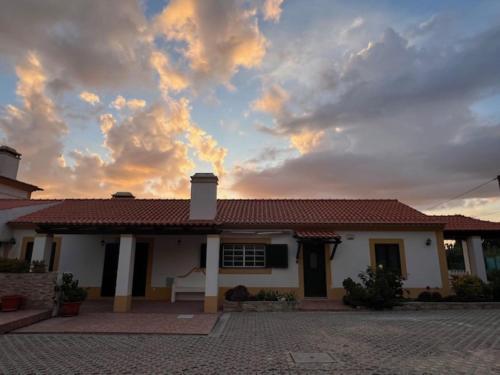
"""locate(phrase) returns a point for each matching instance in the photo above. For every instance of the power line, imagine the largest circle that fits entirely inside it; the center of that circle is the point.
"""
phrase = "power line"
(465, 193)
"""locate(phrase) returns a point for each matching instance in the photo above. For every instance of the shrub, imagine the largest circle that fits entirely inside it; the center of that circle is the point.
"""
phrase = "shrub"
(238, 293)
(469, 287)
(379, 289)
(274, 295)
(428, 296)
(70, 291)
(494, 284)
(425, 296)
(8, 265)
(38, 266)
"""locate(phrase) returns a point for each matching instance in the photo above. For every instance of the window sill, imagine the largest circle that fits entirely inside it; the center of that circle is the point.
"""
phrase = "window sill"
(241, 271)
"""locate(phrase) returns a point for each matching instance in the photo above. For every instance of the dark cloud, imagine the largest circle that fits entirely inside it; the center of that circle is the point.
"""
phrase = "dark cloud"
(405, 111)
(94, 43)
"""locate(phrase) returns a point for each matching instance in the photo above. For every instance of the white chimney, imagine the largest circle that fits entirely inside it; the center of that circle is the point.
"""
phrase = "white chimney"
(203, 196)
(9, 162)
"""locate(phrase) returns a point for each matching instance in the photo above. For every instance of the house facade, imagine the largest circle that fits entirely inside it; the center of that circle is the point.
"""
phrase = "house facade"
(162, 249)
(128, 248)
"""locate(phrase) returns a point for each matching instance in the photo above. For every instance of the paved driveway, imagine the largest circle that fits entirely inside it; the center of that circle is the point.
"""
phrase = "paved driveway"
(458, 342)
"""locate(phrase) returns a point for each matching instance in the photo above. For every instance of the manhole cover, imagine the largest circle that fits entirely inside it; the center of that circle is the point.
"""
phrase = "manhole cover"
(185, 316)
(311, 357)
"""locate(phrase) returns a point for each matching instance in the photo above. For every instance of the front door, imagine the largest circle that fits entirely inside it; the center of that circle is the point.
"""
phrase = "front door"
(140, 269)
(110, 270)
(314, 270)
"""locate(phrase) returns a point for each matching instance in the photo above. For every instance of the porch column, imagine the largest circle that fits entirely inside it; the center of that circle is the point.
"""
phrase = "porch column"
(476, 257)
(42, 248)
(212, 274)
(125, 274)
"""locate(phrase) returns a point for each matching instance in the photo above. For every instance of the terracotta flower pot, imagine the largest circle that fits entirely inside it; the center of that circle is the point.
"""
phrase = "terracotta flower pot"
(11, 303)
(70, 308)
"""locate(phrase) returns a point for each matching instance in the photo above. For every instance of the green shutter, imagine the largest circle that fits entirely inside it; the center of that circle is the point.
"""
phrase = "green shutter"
(277, 256)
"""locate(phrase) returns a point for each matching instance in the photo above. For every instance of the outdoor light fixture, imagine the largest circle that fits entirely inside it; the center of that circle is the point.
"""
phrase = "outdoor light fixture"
(103, 242)
(428, 242)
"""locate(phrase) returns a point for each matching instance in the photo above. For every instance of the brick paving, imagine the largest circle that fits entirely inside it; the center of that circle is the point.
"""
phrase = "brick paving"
(430, 342)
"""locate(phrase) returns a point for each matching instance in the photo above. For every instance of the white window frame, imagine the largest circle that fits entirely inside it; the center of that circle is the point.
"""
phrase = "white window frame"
(242, 252)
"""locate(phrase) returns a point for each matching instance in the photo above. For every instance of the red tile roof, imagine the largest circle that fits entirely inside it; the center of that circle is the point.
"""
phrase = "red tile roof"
(317, 234)
(465, 223)
(7, 204)
(167, 212)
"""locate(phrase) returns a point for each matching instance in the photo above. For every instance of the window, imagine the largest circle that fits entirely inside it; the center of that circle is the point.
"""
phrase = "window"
(491, 250)
(390, 254)
(27, 253)
(244, 255)
(387, 256)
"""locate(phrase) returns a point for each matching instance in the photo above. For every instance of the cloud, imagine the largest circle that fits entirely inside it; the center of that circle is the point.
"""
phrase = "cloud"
(219, 37)
(96, 45)
(149, 151)
(407, 128)
(89, 97)
(307, 140)
(271, 9)
(133, 104)
(170, 79)
(272, 101)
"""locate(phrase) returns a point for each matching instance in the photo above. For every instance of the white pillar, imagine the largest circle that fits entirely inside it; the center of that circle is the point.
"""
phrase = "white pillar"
(465, 253)
(42, 248)
(125, 274)
(212, 274)
(476, 257)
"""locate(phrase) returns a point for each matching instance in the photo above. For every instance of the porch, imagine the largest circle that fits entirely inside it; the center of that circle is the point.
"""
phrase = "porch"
(157, 317)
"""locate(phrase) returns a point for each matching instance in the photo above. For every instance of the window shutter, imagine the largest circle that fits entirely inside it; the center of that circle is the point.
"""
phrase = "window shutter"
(220, 255)
(203, 255)
(277, 256)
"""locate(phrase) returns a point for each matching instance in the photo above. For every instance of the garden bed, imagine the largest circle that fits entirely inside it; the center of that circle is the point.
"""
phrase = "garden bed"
(412, 306)
(259, 306)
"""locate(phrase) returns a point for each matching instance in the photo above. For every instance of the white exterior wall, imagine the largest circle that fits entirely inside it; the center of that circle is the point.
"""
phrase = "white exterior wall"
(83, 255)
(174, 256)
(279, 278)
(422, 262)
(9, 192)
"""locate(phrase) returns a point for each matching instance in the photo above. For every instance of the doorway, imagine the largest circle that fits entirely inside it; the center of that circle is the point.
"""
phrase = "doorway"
(314, 270)
(110, 269)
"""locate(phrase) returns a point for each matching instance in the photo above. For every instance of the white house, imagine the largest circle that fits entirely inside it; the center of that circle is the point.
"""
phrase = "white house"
(125, 247)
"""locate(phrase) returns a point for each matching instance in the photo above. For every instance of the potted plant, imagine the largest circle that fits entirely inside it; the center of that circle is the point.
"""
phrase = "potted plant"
(71, 296)
(11, 303)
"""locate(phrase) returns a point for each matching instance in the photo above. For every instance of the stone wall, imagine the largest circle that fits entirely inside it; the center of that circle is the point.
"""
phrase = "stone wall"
(38, 289)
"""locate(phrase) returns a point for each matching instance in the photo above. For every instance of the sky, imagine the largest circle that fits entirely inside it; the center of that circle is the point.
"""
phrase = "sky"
(279, 98)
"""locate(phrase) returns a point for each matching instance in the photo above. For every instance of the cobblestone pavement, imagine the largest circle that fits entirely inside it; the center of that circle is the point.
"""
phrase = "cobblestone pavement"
(438, 342)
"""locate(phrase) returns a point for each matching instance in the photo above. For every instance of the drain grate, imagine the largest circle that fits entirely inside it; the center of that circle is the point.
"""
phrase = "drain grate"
(299, 357)
(185, 316)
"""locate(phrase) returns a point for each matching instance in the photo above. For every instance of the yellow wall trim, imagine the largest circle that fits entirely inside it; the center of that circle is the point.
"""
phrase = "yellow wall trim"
(122, 304)
(443, 265)
(402, 255)
(211, 304)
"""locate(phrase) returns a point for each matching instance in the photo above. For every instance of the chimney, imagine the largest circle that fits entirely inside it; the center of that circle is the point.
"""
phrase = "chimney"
(123, 195)
(203, 196)
(9, 162)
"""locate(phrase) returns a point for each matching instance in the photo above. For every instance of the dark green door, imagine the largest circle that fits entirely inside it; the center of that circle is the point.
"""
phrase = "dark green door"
(314, 270)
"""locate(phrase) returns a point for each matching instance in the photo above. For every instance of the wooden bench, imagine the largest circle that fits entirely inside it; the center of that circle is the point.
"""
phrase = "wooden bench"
(192, 282)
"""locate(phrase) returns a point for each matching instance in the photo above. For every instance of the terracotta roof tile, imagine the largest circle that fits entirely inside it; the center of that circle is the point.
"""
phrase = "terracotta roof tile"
(319, 234)
(465, 223)
(169, 212)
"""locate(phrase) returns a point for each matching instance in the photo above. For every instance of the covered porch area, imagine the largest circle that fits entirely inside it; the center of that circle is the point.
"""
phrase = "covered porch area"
(141, 270)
